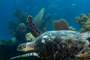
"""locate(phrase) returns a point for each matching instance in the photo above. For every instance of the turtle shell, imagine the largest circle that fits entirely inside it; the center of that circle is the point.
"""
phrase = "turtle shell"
(59, 44)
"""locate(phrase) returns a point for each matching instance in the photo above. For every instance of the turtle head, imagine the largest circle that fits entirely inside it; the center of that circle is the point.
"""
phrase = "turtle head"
(26, 46)
(84, 54)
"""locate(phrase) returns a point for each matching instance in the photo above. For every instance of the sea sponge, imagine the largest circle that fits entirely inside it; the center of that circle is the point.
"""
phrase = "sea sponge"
(60, 25)
(38, 18)
(29, 37)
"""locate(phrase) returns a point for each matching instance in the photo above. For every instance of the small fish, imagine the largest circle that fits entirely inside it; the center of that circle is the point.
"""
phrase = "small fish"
(73, 4)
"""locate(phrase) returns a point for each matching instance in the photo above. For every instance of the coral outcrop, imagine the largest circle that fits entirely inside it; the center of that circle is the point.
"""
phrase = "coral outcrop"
(85, 21)
(82, 19)
(85, 27)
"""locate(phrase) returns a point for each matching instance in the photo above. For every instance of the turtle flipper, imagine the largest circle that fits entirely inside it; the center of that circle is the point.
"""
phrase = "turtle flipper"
(34, 30)
(25, 55)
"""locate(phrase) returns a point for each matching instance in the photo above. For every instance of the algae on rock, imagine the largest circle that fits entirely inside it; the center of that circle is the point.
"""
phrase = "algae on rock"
(29, 37)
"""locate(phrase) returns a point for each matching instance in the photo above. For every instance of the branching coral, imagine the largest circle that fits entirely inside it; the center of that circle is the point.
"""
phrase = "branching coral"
(82, 19)
(85, 21)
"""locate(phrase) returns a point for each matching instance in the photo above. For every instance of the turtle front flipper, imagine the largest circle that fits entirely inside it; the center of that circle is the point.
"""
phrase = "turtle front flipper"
(25, 55)
(26, 46)
(34, 30)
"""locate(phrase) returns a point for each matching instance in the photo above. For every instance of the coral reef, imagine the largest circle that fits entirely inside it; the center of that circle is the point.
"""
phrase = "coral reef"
(20, 15)
(38, 18)
(60, 25)
(85, 21)
(29, 37)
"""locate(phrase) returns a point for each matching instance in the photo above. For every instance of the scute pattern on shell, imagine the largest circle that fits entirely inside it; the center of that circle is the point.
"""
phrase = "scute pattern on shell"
(59, 44)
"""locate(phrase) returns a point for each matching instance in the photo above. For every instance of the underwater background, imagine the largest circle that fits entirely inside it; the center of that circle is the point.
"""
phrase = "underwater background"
(13, 16)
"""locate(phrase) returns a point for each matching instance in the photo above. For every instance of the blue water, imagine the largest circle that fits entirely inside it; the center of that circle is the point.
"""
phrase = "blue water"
(58, 9)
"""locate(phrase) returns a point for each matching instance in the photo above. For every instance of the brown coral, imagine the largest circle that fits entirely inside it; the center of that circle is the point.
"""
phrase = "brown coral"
(60, 25)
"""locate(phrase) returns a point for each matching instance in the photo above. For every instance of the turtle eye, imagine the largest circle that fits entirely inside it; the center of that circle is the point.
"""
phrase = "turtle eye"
(83, 51)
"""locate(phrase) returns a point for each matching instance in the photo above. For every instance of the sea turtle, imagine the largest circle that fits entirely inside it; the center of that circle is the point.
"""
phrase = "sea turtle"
(56, 45)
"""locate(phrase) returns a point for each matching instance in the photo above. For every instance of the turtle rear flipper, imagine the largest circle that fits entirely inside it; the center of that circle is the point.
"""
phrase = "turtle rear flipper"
(25, 55)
